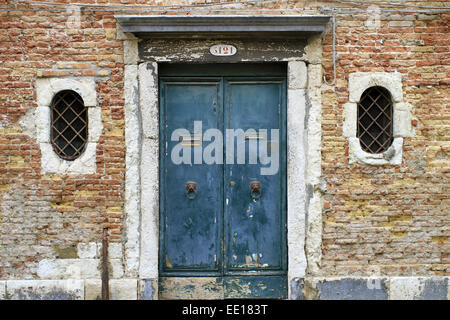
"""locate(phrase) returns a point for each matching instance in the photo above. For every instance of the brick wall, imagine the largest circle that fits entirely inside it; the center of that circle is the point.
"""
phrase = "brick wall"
(390, 220)
(40, 214)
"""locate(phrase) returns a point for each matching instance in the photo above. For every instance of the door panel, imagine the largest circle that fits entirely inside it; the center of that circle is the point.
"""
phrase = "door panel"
(191, 227)
(254, 227)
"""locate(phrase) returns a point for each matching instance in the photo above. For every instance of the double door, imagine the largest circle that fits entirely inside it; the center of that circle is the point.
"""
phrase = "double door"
(222, 207)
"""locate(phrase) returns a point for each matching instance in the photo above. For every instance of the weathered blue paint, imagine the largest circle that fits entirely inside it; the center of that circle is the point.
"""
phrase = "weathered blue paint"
(267, 287)
(191, 228)
(339, 289)
(56, 294)
(363, 289)
(223, 231)
(297, 285)
(254, 228)
(147, 290)
(434, 289)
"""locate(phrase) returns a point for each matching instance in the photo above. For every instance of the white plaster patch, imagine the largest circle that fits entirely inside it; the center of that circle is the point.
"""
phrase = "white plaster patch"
(358, 155)
(349, 127)
(148, 98)
(87, 250)
(42, 121)
(77, 268)
(402, 120)
(117, 270)
(315, 74)
(358, 82)
(85, 164)
(115, 250)
(130, 52)
(313, 49)
(297, 75)
(92, 289)
(119, 289)
(68, 268)
(27, 122)
(2, 290)
(95, 124)
(46, 88)
(405, 288)
(123, 289)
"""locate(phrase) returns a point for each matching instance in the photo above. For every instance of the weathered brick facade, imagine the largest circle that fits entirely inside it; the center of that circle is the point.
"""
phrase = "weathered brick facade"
(394, 218)
(376, 220)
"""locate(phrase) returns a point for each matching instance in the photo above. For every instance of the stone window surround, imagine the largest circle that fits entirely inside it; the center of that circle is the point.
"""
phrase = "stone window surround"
(46, 88)
(402, 115)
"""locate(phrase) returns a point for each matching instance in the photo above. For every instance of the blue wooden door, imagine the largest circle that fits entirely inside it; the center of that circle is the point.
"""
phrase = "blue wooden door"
(254, 219)
(226, 220)
(191, 222)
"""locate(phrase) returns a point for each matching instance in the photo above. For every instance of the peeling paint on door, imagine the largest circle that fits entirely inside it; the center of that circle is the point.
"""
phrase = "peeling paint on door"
(230, 239)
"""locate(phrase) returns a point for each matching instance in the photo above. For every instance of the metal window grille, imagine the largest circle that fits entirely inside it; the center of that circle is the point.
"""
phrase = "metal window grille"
(69, 121)
(375, 120)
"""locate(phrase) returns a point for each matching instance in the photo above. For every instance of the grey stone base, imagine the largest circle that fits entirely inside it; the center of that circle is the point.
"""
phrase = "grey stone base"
(72, 289)
(371, 288)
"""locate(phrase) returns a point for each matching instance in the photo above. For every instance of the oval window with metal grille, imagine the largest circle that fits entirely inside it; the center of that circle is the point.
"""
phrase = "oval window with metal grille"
(69, 120)
(375, 120)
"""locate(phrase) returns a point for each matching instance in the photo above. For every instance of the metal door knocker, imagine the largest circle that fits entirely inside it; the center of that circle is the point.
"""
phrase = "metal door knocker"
(191, 190)
(255, 187)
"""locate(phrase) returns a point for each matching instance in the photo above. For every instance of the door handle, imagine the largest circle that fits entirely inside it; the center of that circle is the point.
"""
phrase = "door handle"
(191, 189)
(255, 189)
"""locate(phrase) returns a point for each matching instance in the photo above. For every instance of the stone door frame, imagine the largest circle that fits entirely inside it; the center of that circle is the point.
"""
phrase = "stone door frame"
(304, 194)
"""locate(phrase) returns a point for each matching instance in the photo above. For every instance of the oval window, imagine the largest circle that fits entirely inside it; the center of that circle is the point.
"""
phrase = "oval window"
(69, 119)
(375, 131)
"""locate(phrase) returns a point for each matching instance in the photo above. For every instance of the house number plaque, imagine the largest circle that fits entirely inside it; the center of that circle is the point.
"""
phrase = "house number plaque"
(223, 50)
